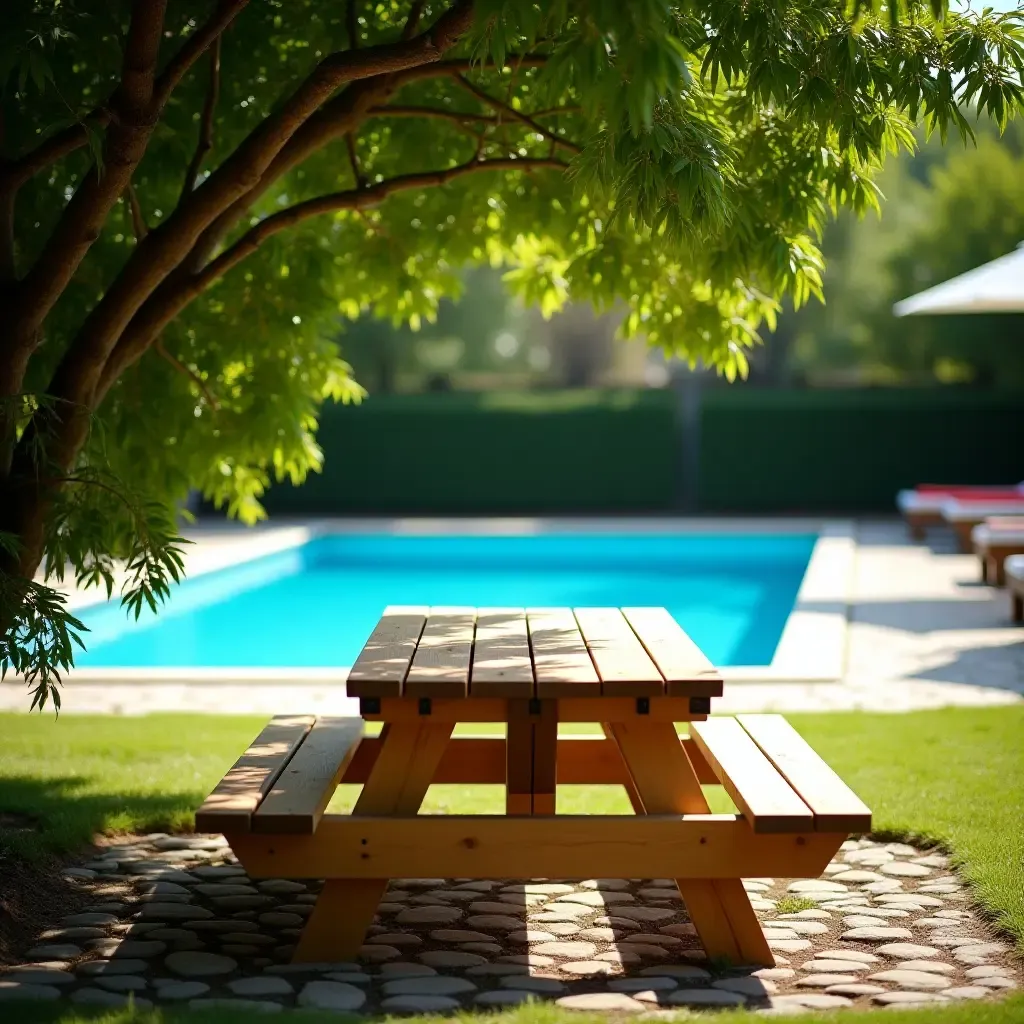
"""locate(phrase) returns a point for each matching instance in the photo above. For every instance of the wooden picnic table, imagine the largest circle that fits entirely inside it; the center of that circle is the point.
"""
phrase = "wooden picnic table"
(634, 672)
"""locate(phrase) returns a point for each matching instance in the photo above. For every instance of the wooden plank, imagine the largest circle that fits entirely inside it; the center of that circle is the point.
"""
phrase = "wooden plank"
(408, 759)
(625, 668)
(581, 760)
(383, 663)
(836, 807)
(519, 759)
(719, 847)
(298, 798)
(570, 709)
(686, 669)
(561, 663)
(766, 799)
(230, 806)
(440, 666)
(545, 754)
(501, 655)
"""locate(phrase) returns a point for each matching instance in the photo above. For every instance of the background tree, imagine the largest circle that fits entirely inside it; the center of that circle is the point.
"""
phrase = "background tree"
(190, 192)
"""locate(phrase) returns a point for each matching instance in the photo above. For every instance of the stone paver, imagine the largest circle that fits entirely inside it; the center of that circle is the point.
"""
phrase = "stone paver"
(441, 946)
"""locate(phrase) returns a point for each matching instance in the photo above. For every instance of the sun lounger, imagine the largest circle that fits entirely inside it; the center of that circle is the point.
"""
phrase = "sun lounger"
(994, 541)
(964, 516)
(1013, 568)
(922, 506)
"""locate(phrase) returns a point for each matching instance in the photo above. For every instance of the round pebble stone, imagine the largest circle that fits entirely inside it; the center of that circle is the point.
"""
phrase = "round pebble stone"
(825, 979)
(275, 919)
(789, 945)
(986, 971)
(451, 958)
(281, 886)
(126, 966)
(618, 956)
(704, 997)
(406, 970)
(775, 973)
(834, 966)
(775, 932)
(122, 983)
(485, 948)
(491, 922)
(458, 935)
(174, 912)
(987, 948)
(432, 985)
(606, 921)
(17, 991)
(753, 988)
(265, 985)
(807, 915)
(503, 997)
(430, 915)
(652, 984)
(598, 898)
(905, 998)
(996, 981)
(140, 948)
(914, 980)
(99, 997)
(349, 977)
(679, 930)
(876, 934)
(853, 989)
(602, 1002)
(964, 992)
(908, 951)
(236, 1005)
(816, 885)
(646, 914)
(546, 986)
(534, 935)
(38, 976)
(573, 950)
(931, 966)
(55, 951)
(589, 968)
(903, 869)
(847, 954)
(193, 964)
(499, 970)
(172, 989)
(807, 927)
(331, 995)
(419, 1004)
(811, 1001)
(90, 919)
(681, 972)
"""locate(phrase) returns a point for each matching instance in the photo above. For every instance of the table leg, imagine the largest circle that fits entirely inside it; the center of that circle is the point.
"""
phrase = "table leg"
(405, 766)
(519, 760)
(664, 782)
(545, 757)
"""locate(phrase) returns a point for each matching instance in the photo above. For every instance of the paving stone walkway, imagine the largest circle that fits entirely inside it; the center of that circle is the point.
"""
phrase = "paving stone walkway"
(175, 919)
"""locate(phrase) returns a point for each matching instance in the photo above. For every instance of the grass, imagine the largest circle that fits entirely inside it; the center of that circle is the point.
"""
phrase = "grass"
(1007, 1011)
(953, 777)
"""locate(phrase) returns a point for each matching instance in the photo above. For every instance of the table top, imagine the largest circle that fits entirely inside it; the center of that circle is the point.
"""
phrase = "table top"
(531, 653)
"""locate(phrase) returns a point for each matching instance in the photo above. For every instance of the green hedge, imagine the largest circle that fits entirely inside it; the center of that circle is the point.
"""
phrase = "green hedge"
(494, 453)
(760, 451)
(813, 451)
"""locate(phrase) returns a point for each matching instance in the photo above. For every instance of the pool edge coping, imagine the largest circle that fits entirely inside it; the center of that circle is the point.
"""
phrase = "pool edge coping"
(811, 649)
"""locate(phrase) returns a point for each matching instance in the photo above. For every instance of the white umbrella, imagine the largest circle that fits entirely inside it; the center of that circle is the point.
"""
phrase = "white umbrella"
(996, 287)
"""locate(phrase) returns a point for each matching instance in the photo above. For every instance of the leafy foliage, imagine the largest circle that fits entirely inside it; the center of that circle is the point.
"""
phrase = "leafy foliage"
(679, 158)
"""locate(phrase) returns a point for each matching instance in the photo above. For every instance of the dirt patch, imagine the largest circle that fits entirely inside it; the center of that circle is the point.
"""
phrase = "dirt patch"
(33, 897)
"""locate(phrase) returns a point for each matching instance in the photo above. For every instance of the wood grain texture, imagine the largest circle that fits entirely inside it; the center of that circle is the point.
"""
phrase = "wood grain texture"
(229, 808)
(302, 791)
(766, 799)
(440, 666)
(715, 849)
(561, 663)
(836, 807)
(502, 666)
(623, 665)
(383, 663)
(687, 671)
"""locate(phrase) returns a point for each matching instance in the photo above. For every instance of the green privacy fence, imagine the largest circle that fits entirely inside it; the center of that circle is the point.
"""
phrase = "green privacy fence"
(830, 450)
(607, 452)
(495, 453)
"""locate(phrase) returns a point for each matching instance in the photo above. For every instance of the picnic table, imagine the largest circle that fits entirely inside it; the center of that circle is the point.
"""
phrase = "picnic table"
(632, 671)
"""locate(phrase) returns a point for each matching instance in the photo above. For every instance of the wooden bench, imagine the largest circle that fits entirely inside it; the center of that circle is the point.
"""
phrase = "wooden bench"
(632, 671)
(994, 541)
(1014, 569)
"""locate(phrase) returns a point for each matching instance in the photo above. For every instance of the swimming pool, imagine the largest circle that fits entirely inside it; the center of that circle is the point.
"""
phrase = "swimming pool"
(312, 606)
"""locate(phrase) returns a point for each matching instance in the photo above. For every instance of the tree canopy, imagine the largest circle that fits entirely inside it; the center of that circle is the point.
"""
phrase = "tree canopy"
(191, 193)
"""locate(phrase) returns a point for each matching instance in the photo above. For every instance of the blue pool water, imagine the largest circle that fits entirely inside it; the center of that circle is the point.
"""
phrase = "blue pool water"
(314, 605)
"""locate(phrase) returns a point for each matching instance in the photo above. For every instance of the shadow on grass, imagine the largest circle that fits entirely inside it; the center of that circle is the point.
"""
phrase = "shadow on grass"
(57, 815)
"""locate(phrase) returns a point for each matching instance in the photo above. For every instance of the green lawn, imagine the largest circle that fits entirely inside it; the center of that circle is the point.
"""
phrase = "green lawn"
(954, 776)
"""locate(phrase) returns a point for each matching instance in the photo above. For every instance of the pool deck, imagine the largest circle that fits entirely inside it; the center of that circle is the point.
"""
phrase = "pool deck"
(921, 632)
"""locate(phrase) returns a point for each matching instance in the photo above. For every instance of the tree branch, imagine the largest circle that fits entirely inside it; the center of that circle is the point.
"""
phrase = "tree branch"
(56, 146)
(459, 117)
(516, 115)
(412, 22)
(176, 295)
(205, 141)
(211, 398)
(353, 159)
(195, 46)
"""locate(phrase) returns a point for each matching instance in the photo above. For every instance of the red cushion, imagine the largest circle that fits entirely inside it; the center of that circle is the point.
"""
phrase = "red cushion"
(963, 492)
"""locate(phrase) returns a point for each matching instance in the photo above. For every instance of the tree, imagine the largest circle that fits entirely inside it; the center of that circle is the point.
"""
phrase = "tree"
(190, 190)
